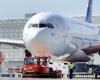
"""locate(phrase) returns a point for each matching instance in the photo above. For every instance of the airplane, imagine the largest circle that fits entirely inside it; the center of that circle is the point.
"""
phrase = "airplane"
(50, 34)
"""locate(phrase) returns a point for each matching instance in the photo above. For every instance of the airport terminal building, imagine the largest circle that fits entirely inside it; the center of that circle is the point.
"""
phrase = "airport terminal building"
(12, 29)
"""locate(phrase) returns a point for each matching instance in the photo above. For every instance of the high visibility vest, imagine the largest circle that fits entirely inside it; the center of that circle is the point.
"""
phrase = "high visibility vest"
(71, 66)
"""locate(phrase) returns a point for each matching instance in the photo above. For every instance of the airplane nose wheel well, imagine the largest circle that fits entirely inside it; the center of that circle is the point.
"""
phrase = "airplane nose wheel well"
(27, 53)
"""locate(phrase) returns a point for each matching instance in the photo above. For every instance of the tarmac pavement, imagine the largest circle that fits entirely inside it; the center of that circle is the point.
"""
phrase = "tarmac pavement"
(43, 79)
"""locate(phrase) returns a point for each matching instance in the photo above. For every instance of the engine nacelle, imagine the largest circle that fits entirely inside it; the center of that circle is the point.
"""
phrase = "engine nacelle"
(78, 56)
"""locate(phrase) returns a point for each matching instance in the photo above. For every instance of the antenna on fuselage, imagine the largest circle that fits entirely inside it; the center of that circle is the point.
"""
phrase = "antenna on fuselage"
(89, 12)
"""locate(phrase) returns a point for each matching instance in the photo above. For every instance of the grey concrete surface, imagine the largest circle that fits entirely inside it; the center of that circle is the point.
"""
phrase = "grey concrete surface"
(42, 79)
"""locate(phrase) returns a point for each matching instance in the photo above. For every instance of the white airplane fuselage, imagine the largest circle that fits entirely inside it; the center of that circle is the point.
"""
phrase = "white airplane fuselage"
(48, 34)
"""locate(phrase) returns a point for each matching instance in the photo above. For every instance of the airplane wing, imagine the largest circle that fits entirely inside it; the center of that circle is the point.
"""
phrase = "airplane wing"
(19, 43)
(60, 58)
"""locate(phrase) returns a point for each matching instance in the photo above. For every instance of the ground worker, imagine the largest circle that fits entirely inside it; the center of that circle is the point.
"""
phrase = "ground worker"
(71, 70)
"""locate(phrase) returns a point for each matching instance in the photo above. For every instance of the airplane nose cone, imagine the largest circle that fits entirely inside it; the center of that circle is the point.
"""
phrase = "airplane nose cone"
(34, 41)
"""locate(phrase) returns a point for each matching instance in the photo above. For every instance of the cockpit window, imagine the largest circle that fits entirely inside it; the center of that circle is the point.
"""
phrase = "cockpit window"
(42, 25)
(50, 25)
(30, 26)
(34, 25)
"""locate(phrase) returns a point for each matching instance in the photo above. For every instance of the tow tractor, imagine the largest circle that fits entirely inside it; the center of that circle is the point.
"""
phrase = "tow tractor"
(38, 67)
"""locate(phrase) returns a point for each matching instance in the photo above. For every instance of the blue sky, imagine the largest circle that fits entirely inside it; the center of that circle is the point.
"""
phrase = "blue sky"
(17, 8)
